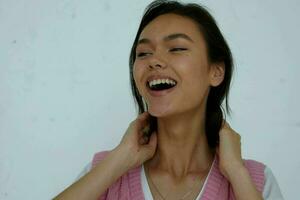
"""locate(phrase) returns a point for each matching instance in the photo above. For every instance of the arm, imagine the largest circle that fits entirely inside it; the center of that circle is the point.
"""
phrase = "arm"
(95, 183)
(133, 150)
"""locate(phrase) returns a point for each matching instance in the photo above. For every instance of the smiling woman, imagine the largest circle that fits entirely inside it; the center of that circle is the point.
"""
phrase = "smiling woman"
(180, 146)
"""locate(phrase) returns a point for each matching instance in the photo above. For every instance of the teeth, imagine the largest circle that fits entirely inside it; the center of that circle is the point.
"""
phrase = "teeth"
(159, 81)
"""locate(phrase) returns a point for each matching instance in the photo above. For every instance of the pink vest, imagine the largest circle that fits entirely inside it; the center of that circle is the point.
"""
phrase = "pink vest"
(129, 186)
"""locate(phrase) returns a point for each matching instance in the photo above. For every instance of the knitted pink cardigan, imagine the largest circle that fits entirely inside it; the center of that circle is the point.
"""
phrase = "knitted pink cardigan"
(129, 187)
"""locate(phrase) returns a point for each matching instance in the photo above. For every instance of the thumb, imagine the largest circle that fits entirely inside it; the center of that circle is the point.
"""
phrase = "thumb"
(153, 139)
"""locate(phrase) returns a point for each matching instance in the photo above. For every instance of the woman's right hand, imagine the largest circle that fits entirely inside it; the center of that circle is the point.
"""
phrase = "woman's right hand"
(131, 152)
(134, 147)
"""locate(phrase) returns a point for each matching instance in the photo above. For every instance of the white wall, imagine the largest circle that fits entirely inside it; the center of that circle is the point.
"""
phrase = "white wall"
(64, 86)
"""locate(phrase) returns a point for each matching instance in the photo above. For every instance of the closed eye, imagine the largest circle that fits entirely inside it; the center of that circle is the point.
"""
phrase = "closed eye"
(142, 54)
(177, 49)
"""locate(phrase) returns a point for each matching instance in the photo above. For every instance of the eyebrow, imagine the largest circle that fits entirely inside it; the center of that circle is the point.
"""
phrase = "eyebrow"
(167, 38)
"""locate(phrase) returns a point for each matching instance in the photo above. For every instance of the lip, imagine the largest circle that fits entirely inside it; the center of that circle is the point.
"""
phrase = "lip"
(160, 93)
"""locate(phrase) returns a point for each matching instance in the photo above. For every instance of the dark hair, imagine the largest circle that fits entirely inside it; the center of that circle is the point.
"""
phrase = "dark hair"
(218, 52)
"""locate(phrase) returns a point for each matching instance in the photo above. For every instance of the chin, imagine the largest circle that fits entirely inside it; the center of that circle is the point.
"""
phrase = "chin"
(160, 112)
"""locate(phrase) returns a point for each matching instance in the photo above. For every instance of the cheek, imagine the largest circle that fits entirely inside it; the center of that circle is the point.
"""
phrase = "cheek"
(193, 67)
(137, 75)
(200, 78)
(194, 75)
(197, 83)
(136, 71)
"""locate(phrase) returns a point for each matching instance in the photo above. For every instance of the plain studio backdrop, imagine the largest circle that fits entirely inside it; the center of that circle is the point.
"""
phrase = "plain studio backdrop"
(65, 92)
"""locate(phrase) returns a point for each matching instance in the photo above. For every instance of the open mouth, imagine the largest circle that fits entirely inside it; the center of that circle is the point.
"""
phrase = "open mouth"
(160, 86)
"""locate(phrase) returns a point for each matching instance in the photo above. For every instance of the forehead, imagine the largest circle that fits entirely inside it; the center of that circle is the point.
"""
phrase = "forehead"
(169, 24)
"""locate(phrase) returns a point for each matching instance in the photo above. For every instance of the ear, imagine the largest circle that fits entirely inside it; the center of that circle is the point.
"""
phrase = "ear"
(217, 74)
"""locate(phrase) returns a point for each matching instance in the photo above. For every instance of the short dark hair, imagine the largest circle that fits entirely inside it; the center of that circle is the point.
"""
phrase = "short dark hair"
(218, 51)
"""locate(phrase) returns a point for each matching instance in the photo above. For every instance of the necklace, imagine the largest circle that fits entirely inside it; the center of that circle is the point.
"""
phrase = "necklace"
(164, 198)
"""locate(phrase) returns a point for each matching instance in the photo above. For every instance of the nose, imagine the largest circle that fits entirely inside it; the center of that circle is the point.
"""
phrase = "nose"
(156, 62)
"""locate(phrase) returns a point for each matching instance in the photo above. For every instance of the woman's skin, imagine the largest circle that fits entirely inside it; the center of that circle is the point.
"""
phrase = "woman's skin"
(182, 151)
(173, 46)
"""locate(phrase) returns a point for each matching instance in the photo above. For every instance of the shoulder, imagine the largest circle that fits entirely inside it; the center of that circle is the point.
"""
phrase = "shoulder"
(257, 172)
(254, 164)
(98, 156)
(101, 154)
(271, 187)
(264, 179)
(129, 181)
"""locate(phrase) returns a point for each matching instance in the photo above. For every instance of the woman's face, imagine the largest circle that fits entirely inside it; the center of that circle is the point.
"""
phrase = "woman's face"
(172, 46)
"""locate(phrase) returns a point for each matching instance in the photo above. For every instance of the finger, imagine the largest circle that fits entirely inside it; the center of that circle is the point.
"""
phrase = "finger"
(225, 124)
(142, 119)
(143, 116)
(152, 142)
(140, 122)
(226, 127)
(153, 139)
(143, 140)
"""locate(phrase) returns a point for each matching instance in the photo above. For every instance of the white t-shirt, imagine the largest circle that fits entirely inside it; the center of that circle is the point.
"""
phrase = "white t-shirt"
(271, 189)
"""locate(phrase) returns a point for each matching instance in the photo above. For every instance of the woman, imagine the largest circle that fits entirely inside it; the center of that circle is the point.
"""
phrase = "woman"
(179, 147)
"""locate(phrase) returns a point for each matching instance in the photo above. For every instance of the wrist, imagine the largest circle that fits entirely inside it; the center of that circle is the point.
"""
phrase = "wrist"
(237, 173)
(119, 156)
(242, 184)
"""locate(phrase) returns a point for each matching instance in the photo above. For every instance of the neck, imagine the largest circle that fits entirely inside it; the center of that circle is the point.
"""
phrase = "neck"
(182, 144)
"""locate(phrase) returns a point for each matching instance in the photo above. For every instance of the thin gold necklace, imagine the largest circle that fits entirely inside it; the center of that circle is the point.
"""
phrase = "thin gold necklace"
(164, 198)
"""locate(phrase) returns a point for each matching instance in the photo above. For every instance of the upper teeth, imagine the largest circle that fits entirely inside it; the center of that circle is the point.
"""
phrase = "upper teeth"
(159, 81)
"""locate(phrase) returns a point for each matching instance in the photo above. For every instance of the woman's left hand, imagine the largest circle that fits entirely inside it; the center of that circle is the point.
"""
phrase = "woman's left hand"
(229, 151)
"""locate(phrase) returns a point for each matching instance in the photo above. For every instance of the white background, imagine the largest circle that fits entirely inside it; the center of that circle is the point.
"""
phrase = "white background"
(65, 94)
